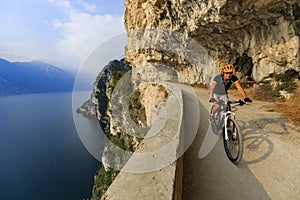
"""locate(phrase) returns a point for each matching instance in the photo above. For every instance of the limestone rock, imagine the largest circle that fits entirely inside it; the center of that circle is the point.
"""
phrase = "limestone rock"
(265, 32)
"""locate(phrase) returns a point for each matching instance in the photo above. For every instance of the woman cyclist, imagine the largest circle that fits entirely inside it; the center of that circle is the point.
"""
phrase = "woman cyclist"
(221, 83)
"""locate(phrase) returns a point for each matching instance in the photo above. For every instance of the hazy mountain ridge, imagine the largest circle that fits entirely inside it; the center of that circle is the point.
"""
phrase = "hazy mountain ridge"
(33, 77)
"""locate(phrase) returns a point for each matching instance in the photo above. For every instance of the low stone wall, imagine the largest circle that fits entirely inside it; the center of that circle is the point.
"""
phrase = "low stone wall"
(153, 171)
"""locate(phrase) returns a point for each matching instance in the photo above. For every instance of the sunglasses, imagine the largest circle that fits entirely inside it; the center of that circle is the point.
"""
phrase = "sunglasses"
(228, 72)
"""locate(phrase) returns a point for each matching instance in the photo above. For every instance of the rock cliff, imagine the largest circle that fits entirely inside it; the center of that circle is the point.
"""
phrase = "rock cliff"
(260, 37)
(125, 110)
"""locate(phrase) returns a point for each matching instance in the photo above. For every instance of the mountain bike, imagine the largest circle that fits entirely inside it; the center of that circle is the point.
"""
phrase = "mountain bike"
(224, 121)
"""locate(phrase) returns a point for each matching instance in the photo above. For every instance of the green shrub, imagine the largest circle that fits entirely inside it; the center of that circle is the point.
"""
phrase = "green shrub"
(289, 86)
(137, 110)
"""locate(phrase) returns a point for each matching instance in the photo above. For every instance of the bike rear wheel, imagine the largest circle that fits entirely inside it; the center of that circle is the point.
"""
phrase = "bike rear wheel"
(234, 145)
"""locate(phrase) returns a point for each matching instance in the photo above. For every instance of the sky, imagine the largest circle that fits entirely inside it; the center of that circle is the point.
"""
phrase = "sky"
(59, 32)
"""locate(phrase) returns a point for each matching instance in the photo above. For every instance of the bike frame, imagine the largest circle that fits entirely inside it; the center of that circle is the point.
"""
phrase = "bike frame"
(227, 114)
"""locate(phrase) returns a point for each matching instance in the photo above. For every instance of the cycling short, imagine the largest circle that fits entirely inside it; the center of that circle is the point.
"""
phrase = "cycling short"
(223, 97)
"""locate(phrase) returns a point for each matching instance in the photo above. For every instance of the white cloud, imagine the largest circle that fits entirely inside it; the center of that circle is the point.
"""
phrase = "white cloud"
(65, 35)
(89, 7)
(65, 4)
(83, 32)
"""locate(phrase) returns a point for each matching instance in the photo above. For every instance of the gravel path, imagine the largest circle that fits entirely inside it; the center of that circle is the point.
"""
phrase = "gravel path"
(270, 168)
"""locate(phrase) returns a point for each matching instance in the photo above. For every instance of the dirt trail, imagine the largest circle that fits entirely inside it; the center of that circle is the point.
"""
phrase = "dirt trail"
(270, 168)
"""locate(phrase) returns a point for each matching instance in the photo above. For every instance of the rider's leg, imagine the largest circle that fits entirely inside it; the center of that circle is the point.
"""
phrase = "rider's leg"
(216, 106)
(215, 109)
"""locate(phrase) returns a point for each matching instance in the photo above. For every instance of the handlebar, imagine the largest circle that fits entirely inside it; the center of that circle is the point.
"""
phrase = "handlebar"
(240, 102)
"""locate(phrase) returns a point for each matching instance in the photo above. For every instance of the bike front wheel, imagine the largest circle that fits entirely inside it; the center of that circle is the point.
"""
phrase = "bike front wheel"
(234, 144)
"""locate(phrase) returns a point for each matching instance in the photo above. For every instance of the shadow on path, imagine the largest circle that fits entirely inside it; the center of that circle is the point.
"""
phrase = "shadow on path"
(213, 176)
(257, 143)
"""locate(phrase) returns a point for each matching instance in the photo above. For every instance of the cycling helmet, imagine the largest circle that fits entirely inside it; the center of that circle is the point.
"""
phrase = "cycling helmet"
(227, 68)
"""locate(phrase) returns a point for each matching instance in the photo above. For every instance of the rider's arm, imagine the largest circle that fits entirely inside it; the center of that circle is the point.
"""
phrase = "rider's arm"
(211, 90)
(240, 89)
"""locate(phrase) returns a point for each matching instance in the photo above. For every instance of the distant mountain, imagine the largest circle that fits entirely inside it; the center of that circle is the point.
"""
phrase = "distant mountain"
(33, 77)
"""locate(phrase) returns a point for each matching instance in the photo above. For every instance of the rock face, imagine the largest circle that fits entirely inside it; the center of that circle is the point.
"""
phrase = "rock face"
(260, 37)
(125, 108)
(186, 41)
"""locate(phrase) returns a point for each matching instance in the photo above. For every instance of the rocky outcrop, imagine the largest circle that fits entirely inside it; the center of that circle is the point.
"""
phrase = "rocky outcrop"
(259, 37)
(99, 105)
(116, 101)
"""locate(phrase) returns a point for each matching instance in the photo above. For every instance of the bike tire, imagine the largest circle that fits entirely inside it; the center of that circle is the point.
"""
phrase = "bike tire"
(234, 145)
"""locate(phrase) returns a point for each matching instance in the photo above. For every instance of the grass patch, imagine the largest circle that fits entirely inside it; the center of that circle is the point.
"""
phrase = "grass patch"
(103, 179)
(290, 108)
(289, 86)
(199, 85)
(265, 93)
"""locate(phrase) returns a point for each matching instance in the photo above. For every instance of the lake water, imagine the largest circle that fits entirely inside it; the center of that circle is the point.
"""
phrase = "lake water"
(41, 155)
